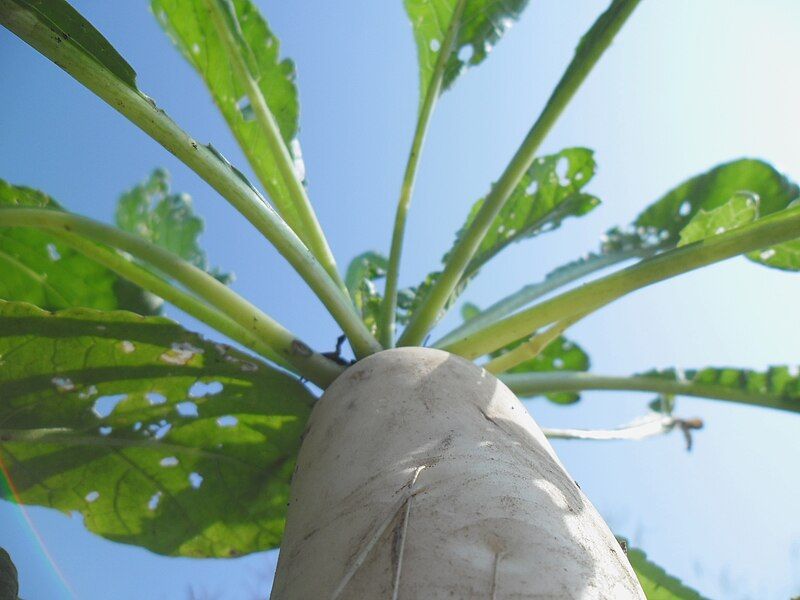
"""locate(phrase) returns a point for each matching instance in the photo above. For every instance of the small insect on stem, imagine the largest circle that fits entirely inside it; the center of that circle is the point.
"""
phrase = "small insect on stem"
(336, 356)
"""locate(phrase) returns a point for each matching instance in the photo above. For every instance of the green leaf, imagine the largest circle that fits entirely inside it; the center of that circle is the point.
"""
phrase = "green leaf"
(657, 583)
(71, 28)
(549, 192)
(39, 268)
(777, 387)
(714, 188)
(9, 585)
(362, 272)
(167, 220)
(659, 226)
(191, 28)
(740, 210)
(156, 436)
(482, 25)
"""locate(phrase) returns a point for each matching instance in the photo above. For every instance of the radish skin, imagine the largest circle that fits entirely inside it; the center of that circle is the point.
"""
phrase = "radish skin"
(422, 476)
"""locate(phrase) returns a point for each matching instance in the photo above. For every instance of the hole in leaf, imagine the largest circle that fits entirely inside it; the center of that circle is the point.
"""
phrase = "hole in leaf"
(92, 496)
(154, 501)
(88, 392)
(533, 188)
(562, 168)
(105, 405)
(63, 384)
(137, 426)
(169, 461)
(195, 480)
(187, 409)
(53, 253)
(180, 353)
(200, 389)
(558, 363)
(465, 53)
(685, 208)
(154, 398)
(105, 430)
(227, 421)
(434, 45)
(161, 430)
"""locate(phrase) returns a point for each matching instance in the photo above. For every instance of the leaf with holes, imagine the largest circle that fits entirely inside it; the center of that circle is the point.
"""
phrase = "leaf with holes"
(777, 387)
(168, 220)
(658, 227)
(548, 193)
(192, 30)
(38, 267)
(362, 272)
(740, 210)
(482, 25)
(657, 584)
(9, 585)
(156, 436)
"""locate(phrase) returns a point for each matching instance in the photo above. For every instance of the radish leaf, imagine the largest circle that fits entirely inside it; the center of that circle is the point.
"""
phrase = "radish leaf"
(156, 436)
(190, 26)
(482, 25)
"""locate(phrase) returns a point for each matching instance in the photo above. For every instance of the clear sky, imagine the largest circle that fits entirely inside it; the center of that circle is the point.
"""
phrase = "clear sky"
(687, 84)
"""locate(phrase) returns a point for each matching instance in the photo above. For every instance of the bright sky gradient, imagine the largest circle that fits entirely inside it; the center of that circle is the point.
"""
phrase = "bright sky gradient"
(687, 85)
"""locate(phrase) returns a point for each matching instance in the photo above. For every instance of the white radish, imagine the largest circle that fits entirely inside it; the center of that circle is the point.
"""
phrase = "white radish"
(422, 476)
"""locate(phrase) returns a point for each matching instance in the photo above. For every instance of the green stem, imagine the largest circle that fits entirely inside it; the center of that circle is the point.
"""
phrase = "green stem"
(530, 349)
(768, 231)
(307, 227)
(312, 365)
(206, 162)
(175, 296)
(532, 384)
(389, 306)
(534, 291)
(589, 50)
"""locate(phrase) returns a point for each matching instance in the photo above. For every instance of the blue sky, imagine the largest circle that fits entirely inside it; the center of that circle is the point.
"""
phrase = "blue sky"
(686, 85)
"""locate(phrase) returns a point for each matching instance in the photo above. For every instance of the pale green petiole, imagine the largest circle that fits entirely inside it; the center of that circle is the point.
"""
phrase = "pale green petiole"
(534, 291)
(310, 364)
(389, 305)
(163, 289)
(768, 231)
(229, 182)
(591, 47)
(308, 229)
(531, 348)
(530, 384)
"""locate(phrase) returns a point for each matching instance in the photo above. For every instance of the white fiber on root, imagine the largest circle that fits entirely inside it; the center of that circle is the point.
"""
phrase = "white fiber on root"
(422, 476)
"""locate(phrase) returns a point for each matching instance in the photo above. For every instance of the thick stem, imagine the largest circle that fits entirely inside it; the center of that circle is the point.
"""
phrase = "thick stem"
(531, 384)
(207, 163)
(534, 291)
(312, 365)
(308, 227)
(530, 349)
(389, 305)
(175, 296)
(591, 47)
(768, 231)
